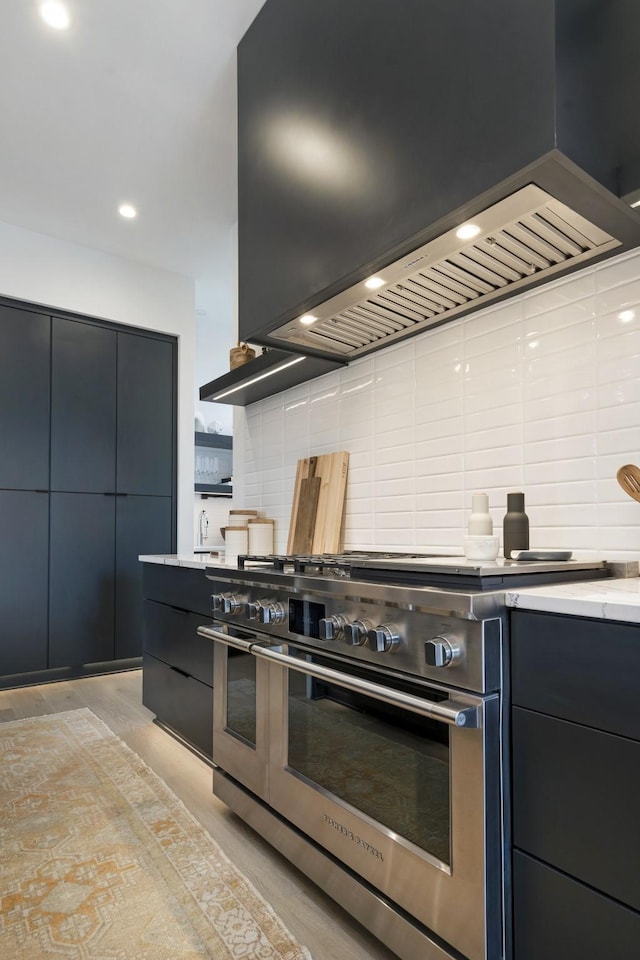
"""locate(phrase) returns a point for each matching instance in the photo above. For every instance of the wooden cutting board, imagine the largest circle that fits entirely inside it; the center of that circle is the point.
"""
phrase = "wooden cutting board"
(331, 469)
(304, 522)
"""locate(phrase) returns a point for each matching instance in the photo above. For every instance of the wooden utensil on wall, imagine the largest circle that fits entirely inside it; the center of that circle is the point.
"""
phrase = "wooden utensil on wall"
(629, 479)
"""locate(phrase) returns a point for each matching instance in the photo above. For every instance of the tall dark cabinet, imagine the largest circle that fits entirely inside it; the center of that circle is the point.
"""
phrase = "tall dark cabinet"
(25, 344)
(93, 461)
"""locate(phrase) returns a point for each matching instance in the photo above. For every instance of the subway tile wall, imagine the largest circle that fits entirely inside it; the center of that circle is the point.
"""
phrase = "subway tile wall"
(540, 394)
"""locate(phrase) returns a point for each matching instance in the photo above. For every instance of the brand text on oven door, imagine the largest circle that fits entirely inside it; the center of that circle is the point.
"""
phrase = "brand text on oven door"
(352, 836)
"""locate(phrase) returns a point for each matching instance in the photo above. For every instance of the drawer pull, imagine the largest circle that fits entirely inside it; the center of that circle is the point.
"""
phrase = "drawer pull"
(182, 673)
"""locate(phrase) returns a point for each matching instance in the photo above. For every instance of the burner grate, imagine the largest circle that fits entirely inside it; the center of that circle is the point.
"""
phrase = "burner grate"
(301, 563)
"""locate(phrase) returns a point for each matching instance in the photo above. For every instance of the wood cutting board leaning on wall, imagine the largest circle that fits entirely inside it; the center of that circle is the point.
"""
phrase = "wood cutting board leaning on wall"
(317, 510)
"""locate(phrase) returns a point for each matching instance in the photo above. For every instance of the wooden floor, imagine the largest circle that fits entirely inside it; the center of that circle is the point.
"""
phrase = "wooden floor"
(313, 918)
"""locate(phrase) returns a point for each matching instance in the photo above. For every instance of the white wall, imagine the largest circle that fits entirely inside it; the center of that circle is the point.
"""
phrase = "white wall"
(216, 333)
(54, 273)
(540, 394)
(216, 326)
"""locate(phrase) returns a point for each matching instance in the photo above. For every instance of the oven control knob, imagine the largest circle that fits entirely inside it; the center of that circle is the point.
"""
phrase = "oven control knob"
(230, 604)
(383, 639)
(253, 610)
(331, 628)
(226, 603)
(355, 634)
(271, 613)
(441, 652)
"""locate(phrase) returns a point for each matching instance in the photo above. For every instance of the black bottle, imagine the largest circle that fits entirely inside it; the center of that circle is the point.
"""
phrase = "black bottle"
(515, 526)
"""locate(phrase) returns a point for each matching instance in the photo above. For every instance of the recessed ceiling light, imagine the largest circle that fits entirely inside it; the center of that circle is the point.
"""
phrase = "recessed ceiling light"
(467, 231)
(626, 316)
(374, 282)
(308, 319)
(55, 14)
(636, 204)
(127, 211)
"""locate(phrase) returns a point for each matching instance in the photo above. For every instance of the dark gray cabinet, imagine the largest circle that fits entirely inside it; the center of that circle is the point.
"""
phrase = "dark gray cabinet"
(112, 440)
(146, 411)
(143, 526)
(177, 665)
(81, 615)
(96, 435)
(576, 779)
(83, 407)
(24, 399)
(24, 564)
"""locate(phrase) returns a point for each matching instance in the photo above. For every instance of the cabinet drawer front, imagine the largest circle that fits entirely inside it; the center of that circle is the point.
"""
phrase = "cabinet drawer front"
(178, 587)
(170, 635)
(575, 801)
(556, 918)
(184, 704)
(577, 669)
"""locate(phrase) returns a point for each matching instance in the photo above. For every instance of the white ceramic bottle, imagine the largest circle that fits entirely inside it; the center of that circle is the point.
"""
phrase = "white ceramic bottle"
(480, 522)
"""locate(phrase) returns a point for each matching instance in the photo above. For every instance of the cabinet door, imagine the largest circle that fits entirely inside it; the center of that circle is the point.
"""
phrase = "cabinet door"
(143, 526)
(180, 701)
(556, 918)
(171, 635)
(83, 407)
(145, 415)
(81, 583)
(181, 587)
(575, 801)
(24, 399)
(24, 522)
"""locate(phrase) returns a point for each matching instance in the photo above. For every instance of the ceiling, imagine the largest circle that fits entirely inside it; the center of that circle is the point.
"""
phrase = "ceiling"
(135, 102)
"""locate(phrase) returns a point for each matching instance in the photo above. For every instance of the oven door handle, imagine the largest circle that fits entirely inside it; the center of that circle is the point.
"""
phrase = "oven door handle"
(235, 642)
(455, 713)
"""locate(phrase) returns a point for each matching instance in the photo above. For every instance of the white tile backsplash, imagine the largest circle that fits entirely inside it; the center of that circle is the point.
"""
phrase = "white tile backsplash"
(541, 394)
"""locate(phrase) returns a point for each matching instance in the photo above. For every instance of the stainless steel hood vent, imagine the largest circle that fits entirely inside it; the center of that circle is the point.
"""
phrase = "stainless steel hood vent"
(527, 237)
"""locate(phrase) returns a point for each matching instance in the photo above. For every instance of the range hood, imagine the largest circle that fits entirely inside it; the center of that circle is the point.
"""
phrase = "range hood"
(518, 118)
(528, 237)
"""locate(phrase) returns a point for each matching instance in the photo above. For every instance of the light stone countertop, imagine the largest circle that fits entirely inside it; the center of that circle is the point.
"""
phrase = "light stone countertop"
(197, 561)
(602, 599)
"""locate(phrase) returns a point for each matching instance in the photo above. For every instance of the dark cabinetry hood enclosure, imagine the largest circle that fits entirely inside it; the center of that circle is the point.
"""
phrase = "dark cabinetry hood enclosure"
(371, 130)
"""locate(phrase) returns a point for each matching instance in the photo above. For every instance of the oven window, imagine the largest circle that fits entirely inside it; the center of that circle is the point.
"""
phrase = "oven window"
(241, 695)
(384, 761)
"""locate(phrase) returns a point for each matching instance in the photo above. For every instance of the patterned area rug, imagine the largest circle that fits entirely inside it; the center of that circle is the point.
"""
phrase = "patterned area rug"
(99, 860)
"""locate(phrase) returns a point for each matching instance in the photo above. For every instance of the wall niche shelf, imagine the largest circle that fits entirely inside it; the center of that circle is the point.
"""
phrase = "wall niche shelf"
(213, 463)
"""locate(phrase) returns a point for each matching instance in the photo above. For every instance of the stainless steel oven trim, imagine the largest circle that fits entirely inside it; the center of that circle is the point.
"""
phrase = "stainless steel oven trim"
(454, 712)
(435, 600)
(249, 763)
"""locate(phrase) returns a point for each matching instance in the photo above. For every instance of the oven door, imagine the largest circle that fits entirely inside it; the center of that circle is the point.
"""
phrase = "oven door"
(399, 781)
(240, 707)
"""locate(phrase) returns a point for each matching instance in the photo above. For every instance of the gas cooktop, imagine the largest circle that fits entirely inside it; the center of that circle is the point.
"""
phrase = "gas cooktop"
(427, 569)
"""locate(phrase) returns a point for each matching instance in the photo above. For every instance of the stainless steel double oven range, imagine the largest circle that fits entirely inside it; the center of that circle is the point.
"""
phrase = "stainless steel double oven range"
(359, 726)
